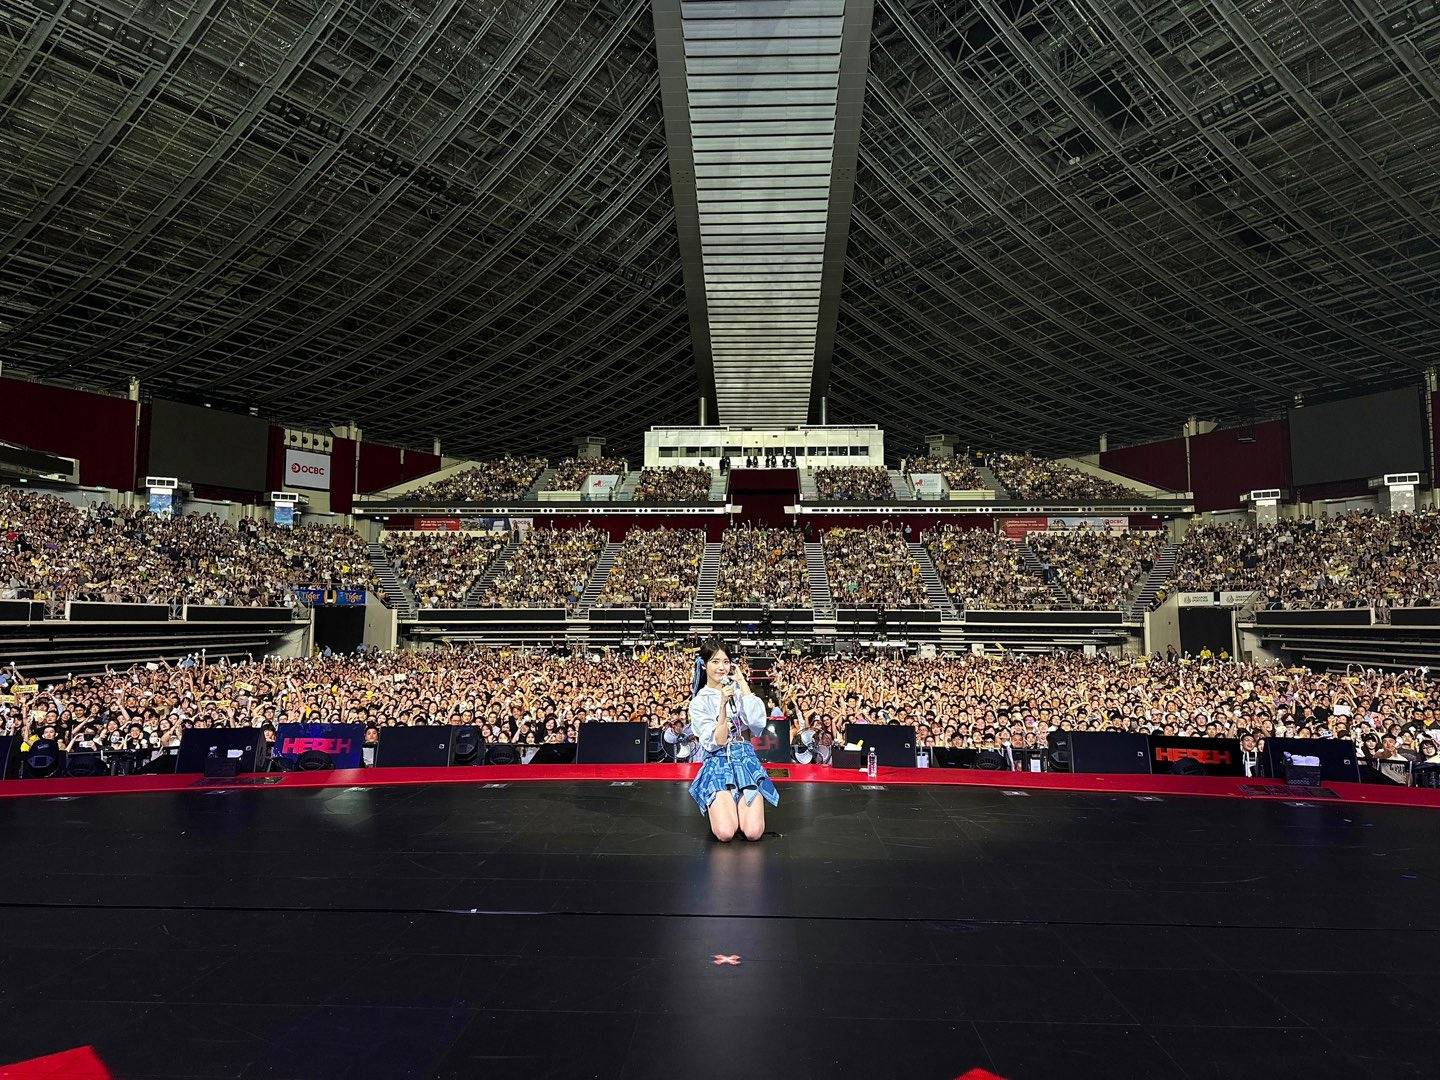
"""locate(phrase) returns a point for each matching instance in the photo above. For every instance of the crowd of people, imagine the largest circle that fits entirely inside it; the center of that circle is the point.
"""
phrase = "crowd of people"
(958, 474)
(760, 566)
(655, 568)
(549, 568)
(854, 483)
(528, 697)
(503, 480)
(51, 549)
(675, 484)
(975, 702)
(570, 474)
(872, 567)
(1098, 570)
(983, 571)
(1036, 479)
(442, 567)
(1357, 559)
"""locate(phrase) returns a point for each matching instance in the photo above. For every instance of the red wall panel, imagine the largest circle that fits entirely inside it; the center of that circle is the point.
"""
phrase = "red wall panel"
(380, 467)
(275, 459)
(418, 463)
(96, 429)
(1223, 468)
(1160, 463)
(342, 476)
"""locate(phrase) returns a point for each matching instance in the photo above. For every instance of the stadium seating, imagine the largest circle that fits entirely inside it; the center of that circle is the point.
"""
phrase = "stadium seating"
(1039, 480)
(657, 567)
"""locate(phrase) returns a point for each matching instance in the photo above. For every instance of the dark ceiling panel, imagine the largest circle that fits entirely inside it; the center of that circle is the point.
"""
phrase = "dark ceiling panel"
(440, 218)
(454, 218)
(1083, 218)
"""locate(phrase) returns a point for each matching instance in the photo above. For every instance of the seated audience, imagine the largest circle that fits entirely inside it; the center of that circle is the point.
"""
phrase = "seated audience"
(442, 567)
(570, 474)
(529, 697)
(854, 483)
(759, 566)
(1358, 559)
(1040, 480)
(958, 475)
(503, 480)
(674, 484)
(872, 566)
(550, 568)
(984, 571)
(53, 550)
(657, 567)
(1098, 570)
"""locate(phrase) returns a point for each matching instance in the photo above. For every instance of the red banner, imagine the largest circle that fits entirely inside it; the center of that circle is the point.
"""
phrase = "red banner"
(425, 524)
(1015, 528)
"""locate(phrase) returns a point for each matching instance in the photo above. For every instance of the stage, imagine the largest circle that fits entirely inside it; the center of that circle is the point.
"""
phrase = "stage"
(592, 928)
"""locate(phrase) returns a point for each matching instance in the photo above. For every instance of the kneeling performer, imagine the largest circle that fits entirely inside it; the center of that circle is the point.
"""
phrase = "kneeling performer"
(724, 714)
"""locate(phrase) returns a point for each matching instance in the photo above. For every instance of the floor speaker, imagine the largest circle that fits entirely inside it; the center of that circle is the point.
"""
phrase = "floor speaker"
(239, 747)
(611, 744)
(414, 747)
(1101, 751)
(9, 746)
(894, 744)
(1338, 761)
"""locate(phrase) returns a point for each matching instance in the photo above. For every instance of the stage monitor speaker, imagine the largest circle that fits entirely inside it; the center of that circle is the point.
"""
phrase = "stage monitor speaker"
(86, 763)
(467, 747)
(44, 759)
(1338, 761)
(416, 747)
(952, 757)
(1100, 751)
(9, 748)
(611, 743)
(502, 754)
(841, 758)
(1195, 756)
(239, 747)
(772, 745)
(894, 744)
(559, 753)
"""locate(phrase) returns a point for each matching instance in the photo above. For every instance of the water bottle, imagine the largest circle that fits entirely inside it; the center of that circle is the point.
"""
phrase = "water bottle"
(870, 764)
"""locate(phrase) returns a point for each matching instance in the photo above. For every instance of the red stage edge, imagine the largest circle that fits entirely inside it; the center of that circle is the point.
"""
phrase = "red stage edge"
(82, 1063)
(1217, 787)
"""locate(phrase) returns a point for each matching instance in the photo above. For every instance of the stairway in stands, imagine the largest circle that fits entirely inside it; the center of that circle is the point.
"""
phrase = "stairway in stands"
(992, 481)
(808, 490)
(596, 584)
(1036, 566)
(1144, 596)
(532, 493)
(626, 491)
(821, 602)
(900, 484)
(719, 483)
(397, 594)
(497, 567)
(934, 587)
(702, 607)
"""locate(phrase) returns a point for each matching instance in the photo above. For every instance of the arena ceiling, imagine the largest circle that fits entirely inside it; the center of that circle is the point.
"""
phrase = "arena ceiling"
(455, 218)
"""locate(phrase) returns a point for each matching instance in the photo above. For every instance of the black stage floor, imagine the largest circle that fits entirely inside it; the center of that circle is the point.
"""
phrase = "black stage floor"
(572, 930)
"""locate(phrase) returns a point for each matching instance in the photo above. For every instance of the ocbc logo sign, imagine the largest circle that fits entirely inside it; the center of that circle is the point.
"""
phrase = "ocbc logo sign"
(309, 470)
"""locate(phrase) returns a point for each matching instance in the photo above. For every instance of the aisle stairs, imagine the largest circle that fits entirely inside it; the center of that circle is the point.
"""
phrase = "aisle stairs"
(702, 607)
(934, 588)
(1035, 565)
(497, 567)
(396, 593)
(821, 602)
(596, 584)
(1144, 595)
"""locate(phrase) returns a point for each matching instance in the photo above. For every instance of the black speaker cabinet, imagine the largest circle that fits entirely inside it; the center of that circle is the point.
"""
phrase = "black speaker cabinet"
(415, 747)
(560, 753)
(1100, 751)
(611, 744)
(9, 750)
(1195, 756)
(239, 747)
(1338, 761)
(894, 743)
